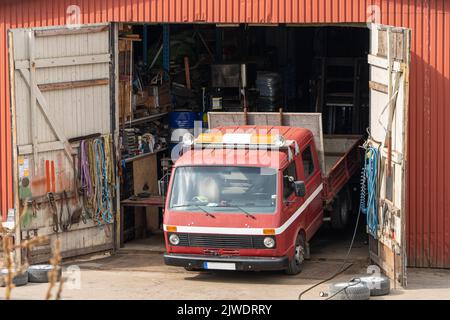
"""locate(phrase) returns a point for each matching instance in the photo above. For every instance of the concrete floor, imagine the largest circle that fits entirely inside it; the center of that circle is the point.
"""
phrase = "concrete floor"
(135, 273)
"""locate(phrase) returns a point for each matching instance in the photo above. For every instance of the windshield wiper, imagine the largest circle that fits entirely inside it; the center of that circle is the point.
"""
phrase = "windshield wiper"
(196, 206)
(247, 214)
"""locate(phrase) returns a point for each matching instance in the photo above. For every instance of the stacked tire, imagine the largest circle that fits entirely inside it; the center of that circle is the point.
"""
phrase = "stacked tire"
(35, 274)
(20, 278)
(361, 288)
(40, 273)
(378, 285)
(352, 290)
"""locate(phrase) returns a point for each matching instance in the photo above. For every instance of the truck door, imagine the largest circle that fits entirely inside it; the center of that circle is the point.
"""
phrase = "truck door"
(310, 174)
(62, 89)
(389, 60)
(290, 202)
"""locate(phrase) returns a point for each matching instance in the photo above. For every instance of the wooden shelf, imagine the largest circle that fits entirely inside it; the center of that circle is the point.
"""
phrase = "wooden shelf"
(141, 156)
(145, 119)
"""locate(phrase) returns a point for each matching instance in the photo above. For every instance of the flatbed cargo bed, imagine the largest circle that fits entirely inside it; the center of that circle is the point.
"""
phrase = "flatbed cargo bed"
(342, 160)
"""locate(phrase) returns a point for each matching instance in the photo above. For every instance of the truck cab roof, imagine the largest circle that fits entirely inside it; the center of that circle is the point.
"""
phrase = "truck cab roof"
(247, 157)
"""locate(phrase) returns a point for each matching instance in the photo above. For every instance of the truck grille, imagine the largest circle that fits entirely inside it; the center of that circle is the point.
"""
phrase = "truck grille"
(221, 241)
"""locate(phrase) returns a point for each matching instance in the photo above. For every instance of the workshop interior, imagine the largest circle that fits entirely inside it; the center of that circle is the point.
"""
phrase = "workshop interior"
(226, 68)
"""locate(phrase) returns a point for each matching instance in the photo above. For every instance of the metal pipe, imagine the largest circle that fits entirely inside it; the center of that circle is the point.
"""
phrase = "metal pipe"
(145, 44)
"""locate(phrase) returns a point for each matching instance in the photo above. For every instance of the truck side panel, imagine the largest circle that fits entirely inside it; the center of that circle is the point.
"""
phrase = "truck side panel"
(343, 169)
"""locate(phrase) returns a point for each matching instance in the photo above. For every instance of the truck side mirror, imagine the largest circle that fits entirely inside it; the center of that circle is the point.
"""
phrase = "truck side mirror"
(299, 188)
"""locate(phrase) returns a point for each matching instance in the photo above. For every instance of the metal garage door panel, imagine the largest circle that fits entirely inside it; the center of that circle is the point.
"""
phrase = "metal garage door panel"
(71, 73)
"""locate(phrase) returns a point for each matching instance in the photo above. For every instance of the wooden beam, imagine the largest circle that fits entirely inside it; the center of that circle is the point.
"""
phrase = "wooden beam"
(65, 61)
(34, 132)
(72, 84)
(49, 117)
(380, 62)
(43, 147)
(378, 86)
(116, 130)
(383, 63)
(69, 31)
(15, 163)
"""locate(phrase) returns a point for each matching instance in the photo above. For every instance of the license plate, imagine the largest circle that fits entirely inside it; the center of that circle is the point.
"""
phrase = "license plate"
(219, 266)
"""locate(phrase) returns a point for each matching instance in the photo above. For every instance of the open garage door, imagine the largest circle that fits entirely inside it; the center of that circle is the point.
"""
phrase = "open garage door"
(389, 60)
(62, 90)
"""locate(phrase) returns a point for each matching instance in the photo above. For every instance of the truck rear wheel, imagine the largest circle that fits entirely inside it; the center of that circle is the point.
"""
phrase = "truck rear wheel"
(341, 210)
(296, 262)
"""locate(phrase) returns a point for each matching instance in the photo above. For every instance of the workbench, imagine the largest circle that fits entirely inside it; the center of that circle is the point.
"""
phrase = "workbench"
(152, 201)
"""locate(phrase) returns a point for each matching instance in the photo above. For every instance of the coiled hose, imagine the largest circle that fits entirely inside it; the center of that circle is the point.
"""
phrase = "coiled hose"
(369, 188)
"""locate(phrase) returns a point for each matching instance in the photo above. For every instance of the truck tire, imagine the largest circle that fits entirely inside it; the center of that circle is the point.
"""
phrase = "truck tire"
(295, 265)
(20, 279)
(378, 285)
(39, 273)
(341, 210)
(353, 290)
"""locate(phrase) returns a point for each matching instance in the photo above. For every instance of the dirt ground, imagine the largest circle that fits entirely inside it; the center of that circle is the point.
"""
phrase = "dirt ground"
(137, 273)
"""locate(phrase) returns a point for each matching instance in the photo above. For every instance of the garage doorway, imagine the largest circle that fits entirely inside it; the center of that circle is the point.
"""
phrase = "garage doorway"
(354, 76)
(320, 69)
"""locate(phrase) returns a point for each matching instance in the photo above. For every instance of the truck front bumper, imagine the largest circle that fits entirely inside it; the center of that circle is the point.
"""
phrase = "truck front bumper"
(241, 263)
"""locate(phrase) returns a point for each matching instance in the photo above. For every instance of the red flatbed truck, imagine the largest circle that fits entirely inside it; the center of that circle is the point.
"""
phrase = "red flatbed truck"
(250, 197)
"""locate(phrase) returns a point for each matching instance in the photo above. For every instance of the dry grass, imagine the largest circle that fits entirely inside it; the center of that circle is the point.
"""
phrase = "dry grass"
(9, 247)
(53, 274)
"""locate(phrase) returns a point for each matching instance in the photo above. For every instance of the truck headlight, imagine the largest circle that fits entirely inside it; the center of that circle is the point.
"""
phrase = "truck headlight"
(269, 242)
(174, 239)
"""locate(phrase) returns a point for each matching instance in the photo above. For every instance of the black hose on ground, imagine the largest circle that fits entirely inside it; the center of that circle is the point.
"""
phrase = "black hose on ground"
(343, 266)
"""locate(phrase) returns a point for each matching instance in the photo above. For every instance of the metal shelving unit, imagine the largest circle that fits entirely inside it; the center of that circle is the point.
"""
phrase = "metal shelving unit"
(142, 120)
(131, 159)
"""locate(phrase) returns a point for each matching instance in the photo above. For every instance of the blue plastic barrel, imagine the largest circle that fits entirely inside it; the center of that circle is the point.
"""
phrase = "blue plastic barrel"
(181, 123)
(182, 120)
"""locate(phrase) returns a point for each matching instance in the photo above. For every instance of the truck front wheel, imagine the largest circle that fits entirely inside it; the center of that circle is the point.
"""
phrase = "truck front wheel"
(296, 262)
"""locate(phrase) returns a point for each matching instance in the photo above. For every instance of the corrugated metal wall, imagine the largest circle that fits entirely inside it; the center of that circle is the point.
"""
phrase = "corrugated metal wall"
(428, 223)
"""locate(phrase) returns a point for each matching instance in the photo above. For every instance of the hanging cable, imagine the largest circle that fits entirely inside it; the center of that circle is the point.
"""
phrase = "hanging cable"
(97, 177)
(86, 184)
(344, 265)
(369, 191)
(103, 213)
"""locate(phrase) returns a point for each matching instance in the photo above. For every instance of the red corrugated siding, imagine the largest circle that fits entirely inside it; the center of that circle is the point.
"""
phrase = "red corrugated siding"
(428, 214)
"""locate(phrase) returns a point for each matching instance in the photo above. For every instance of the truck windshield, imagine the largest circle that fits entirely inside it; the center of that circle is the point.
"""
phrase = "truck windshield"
(224, 189)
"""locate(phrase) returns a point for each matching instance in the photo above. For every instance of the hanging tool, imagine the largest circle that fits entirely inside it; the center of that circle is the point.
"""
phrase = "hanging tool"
(35, 206)
(76, 216)
(65, 223)
(54, 210)
(86, 214)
